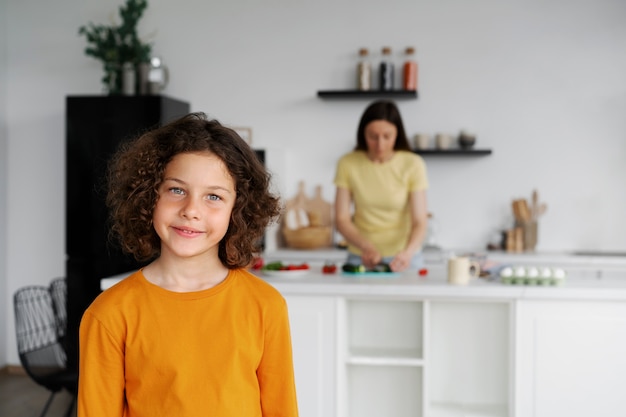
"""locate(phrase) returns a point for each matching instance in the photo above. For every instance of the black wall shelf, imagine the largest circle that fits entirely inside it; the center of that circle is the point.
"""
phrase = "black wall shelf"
(453, 152)
(399, 94)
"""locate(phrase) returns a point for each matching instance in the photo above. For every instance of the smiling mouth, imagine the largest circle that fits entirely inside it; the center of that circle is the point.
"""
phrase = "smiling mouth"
(188, 232)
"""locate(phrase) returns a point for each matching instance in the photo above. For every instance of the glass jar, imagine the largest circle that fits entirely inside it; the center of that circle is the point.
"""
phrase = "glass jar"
(364, 71)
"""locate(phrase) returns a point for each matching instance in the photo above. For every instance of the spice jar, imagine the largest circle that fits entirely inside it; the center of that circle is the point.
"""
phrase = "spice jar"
(364, 71)
(386, 70)
(410, 70)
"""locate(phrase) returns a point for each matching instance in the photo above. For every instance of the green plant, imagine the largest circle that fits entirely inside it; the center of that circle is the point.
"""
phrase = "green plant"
(116, 45)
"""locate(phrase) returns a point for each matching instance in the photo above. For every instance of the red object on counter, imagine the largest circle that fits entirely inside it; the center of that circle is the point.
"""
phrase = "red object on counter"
(294, 267)
(329, 269)
(422, 272)
(257, 263)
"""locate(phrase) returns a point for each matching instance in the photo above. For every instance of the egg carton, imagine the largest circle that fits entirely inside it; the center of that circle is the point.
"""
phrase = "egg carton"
(520, 275)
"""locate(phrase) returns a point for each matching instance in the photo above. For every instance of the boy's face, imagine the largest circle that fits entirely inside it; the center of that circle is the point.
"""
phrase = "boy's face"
(195, 202)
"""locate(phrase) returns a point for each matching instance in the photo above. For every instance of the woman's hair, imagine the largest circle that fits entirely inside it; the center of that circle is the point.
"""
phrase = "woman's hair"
(382, 110)
(136, 172)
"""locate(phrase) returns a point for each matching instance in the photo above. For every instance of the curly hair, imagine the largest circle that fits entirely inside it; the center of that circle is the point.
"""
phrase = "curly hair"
(136, 171)
(382, 110)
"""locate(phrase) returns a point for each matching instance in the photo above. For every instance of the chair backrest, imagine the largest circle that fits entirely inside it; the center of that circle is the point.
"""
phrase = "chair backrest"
(58, 290)
(36, 330)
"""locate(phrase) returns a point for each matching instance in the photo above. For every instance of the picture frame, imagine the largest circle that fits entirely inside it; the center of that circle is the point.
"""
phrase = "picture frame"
(245, 133)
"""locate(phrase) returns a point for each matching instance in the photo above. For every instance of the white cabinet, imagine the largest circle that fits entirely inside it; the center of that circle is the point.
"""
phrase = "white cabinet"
(369, 355)
(415, 358)
(571, 359)
(313, 331)
(468, 359)
(380, 365)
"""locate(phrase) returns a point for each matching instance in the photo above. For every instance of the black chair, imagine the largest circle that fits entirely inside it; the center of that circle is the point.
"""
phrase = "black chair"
(58, 291)
(41, 354)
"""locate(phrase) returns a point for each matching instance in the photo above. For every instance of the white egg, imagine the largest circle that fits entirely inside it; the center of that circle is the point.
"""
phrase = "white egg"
(532, 272)
(558, 273)
(520, 271)
(545, 273)
(506, 272)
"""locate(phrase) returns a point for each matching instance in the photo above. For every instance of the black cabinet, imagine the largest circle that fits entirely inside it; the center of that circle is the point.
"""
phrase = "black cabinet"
(95, 126)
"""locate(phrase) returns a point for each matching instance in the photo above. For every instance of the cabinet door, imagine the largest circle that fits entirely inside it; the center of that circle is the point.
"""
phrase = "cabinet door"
(468, 359)
(571, 359)
(313, 336)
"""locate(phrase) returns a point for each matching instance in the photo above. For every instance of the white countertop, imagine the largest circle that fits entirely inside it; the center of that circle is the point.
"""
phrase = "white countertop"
(554, 259)
(609, 285)
(435, 285)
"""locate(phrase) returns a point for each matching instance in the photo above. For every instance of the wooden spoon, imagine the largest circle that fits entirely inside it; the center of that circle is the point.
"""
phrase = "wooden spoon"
(543, 207)
(534, 209)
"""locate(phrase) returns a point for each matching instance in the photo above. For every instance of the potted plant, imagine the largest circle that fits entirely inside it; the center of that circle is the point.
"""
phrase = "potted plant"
(118, 44)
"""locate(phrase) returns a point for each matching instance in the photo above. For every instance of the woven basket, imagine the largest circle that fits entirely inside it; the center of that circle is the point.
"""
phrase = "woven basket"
(308, 237)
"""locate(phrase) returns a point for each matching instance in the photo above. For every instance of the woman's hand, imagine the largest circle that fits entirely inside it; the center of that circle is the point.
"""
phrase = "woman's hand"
(370, 257)
(419, 221)
(400, 262)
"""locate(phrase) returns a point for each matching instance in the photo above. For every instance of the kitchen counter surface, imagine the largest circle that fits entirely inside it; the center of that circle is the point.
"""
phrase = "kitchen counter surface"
(577, 286)
(577, 260)
(435, 285)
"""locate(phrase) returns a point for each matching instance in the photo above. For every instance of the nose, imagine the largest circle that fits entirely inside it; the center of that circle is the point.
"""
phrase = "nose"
(190, 209)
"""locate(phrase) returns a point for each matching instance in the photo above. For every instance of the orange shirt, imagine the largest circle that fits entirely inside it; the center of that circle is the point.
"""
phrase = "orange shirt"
(220, 352)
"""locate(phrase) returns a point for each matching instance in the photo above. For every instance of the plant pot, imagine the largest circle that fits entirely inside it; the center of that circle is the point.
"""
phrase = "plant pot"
(112, 78)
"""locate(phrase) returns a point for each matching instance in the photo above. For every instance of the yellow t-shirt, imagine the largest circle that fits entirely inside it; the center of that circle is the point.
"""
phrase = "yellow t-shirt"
(380, 193)
(220, 352)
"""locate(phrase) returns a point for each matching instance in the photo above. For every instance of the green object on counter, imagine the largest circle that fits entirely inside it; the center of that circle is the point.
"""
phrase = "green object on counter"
(272, 266)
(380, 270)
(353, 268)
(369, 274)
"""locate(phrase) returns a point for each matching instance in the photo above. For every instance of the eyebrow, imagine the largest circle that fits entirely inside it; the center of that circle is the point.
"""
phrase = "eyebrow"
(210, 187)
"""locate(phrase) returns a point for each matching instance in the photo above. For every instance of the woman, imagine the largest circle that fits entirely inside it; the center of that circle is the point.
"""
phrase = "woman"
(380, 204)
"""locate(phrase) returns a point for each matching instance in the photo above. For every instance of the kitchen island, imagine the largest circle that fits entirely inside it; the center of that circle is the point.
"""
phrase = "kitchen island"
(418, 346)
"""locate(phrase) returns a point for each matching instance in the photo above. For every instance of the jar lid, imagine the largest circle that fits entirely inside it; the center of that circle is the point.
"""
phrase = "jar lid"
(410, 50)
(363, 51)
(386, 50)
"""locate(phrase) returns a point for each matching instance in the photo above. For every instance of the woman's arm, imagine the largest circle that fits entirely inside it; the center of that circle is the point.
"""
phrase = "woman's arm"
(418, 208)
(343, 219)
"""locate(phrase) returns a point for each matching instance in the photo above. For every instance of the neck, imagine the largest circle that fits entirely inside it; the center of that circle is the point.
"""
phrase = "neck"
(185, 275)
(379, 159)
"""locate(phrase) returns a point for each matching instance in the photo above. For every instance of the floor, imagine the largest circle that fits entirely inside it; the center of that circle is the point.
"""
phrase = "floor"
(21, 397)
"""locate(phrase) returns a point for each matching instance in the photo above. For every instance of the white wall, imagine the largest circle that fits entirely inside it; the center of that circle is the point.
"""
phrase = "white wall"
(6, 306)
(540, 82)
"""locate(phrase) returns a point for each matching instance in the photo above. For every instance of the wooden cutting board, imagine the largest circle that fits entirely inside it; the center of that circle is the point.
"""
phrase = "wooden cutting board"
(302, 211)
(320, 206)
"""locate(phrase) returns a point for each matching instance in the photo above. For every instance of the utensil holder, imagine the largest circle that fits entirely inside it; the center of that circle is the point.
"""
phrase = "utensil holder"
(530, 234)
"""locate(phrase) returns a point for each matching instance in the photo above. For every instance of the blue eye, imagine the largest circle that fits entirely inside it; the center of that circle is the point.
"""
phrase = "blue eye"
(214, 197)
(175, 190)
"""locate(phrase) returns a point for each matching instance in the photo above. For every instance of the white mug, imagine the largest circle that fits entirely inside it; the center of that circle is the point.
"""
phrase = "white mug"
(461, 270)
(443, 140)
(422, 141)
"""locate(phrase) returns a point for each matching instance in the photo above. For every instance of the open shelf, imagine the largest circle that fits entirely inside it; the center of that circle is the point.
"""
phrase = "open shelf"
(371, 339)
(384, 361)
(453, 152)
(384, 391)
(399, 94)
(460, 410)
